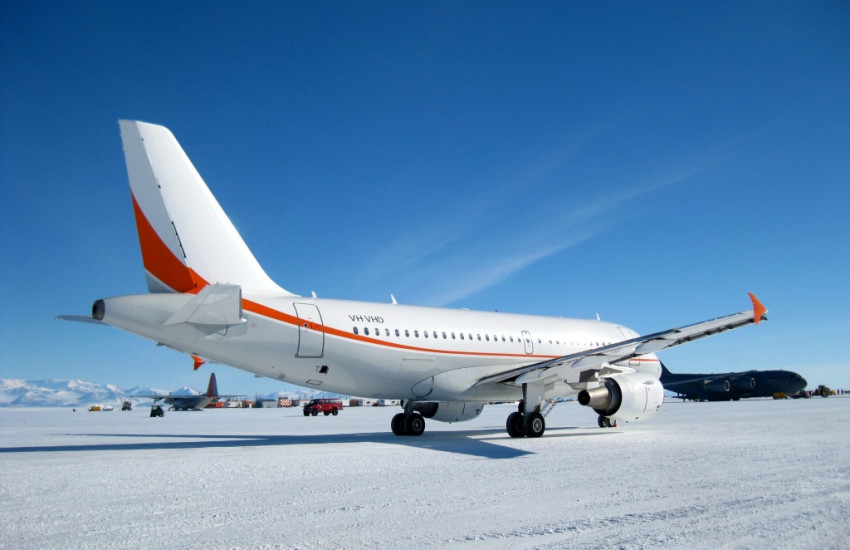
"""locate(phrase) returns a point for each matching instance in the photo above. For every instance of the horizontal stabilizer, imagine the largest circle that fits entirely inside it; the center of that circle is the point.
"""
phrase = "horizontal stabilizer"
(79, 319)
(217, 305)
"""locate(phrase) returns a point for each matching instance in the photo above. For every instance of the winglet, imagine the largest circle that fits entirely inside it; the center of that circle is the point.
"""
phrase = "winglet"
(198, 362)
(758, 309)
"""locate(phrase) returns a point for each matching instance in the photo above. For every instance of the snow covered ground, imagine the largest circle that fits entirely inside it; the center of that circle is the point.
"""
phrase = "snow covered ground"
(748, 474)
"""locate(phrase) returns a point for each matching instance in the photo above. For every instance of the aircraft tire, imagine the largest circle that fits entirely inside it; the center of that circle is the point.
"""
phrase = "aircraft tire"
(535, 425)
(516, 425)
(606, 422)
(415, 424)
(397, 425)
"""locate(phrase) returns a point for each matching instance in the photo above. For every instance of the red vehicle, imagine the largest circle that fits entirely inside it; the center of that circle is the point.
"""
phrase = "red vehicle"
(326, 406)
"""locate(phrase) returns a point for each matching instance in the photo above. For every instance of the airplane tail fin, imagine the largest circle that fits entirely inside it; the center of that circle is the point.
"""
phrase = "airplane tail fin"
(212, 389)
(664, 370)
(186, 238)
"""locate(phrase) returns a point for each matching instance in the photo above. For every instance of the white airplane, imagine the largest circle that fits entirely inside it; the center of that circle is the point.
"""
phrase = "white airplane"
(209, 297)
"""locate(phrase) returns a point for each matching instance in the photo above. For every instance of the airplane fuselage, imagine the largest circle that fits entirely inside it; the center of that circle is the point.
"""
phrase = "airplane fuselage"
(369, 349)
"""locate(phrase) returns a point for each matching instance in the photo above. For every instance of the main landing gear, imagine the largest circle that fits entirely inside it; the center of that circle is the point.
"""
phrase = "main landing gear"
(520, 424)
(409, 422)
(527, 421)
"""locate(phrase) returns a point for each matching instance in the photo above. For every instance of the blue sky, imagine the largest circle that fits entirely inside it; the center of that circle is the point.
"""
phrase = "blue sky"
(649, 162)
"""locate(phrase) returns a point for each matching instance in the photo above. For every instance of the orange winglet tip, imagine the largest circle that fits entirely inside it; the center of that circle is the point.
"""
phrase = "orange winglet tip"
(198, 362)
(758, 309)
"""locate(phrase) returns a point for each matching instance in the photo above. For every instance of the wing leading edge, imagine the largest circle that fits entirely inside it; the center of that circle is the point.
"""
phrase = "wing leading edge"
(589, 364)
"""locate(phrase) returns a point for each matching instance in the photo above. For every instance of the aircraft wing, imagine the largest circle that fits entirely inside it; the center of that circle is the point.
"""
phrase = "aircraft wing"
(155, 396)
(590, 364)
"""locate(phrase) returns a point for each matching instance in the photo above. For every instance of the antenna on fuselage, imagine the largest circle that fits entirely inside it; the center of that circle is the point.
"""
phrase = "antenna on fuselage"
(393, 299)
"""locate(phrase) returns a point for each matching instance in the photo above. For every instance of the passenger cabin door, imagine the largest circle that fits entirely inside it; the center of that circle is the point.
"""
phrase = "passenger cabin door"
(311, 331)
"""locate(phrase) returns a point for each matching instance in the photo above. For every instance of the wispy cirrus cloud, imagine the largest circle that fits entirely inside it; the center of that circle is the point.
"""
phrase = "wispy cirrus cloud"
(471, 246)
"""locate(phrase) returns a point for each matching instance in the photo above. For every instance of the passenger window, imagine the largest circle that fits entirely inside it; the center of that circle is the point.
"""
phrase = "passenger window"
(354, 330)
(453, 336)
(444, 336)
(416, 333)
(435, 335)
(461, 336)
(425, 333)
(396, 332)
(366, 331)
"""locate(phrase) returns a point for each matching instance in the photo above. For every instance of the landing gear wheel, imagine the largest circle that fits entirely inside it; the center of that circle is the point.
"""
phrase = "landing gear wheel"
(605, 422)
(535, 425)
(398, 424)
(516, 425)
(415, 424)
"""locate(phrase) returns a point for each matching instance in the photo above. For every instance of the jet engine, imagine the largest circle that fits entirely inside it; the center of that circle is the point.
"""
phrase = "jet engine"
(627, 397)
(744, 383)
(453, 411)
(719, 386)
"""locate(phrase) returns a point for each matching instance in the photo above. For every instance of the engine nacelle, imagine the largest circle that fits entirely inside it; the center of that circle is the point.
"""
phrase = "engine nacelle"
(719, 386)
(626, 397)
(744, 383)
(449, 412)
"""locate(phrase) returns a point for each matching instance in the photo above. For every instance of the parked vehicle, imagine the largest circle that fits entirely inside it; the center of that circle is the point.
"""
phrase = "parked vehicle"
(326, 406)
(156, 410)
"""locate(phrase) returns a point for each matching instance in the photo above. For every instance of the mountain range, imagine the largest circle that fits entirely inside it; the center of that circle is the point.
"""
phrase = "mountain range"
(71, 393)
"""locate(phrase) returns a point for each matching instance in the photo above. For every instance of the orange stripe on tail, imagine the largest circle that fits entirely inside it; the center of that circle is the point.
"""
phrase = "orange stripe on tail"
(160, 262)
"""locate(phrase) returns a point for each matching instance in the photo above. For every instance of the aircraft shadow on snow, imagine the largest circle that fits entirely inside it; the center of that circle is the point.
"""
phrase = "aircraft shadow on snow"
(468, 442)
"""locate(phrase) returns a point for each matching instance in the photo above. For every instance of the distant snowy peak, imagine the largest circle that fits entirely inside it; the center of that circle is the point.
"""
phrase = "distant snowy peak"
(69, 393)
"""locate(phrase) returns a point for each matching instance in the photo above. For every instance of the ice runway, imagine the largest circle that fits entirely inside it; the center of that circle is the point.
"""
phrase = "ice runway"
(746, 474)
